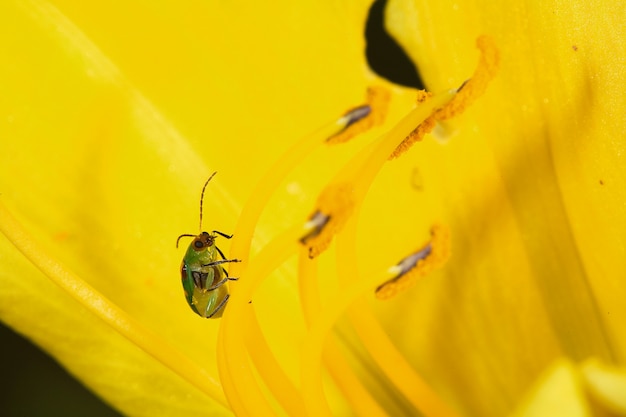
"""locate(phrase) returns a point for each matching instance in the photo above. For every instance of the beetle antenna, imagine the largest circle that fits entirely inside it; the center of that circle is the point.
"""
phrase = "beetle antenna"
(202, 198)
(178, 240)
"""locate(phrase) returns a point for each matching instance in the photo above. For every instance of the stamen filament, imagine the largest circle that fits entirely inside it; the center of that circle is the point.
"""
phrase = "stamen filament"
(236, 328)
(358, 397)
(394, 365)
(237, 405)
(313, 346)
(107, 311)
(376, 341)
(311, 384)
(278, 383)
(307, 285)
(361, 400)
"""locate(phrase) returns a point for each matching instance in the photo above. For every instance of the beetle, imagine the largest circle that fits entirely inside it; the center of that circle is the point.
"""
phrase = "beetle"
(202, 272)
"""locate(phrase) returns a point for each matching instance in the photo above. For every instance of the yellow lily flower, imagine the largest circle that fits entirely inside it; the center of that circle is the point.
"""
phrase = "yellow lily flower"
(114, 117)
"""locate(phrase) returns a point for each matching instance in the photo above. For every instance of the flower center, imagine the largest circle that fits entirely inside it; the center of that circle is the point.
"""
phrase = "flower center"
(335, 213)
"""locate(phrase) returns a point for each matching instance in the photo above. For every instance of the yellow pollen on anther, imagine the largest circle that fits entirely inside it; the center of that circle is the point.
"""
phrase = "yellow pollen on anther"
(420, 131)
(422, 96)
(438, 254)
(378, 102)
(466, 95)
(350, 185)
(336, 203)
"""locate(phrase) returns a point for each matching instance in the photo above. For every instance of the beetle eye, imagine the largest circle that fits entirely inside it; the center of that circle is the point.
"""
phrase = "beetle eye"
(198, 244)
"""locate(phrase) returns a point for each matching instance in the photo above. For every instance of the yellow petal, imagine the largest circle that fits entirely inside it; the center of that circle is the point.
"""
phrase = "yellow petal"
(108, 363)
(606, 384)
(558, 392)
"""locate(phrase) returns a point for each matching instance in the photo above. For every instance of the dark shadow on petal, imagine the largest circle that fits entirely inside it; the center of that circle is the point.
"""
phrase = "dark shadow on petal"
(384, 56)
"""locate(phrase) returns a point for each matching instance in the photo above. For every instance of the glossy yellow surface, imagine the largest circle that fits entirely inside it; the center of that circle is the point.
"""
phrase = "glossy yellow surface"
(112, 116)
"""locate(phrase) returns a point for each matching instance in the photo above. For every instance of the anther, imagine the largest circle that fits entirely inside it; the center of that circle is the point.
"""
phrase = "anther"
(315, 225)
(334, 207)
(466, 94)
(462, 85)
(409, 262)
(418, 264)
(364, 117)
(356, 114)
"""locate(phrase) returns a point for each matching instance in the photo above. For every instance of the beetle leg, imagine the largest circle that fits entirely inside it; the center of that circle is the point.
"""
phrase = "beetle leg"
(230, 278)
(223, 261)
(219, 284)
(224, 258)
(219, 307)
(222, 282)
(220, 252)
(222, 234)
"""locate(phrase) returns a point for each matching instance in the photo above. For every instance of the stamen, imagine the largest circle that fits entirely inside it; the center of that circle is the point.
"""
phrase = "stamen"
(475, 87)
(410, 261)
(320, 328)
(238, 336)
(374, 338)
(350, 186)
(394, 365)
(359, 398)
(238, 379)
(415, 136)
(239, 330)
(362, 118)
(337, 199)
(420, 263)
(315, 224)
(467, 93)
(273, 375)
(377, 98)
(357, 114)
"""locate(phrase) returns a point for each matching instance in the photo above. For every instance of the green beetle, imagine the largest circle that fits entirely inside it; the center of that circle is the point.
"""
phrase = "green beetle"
(202, 272)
